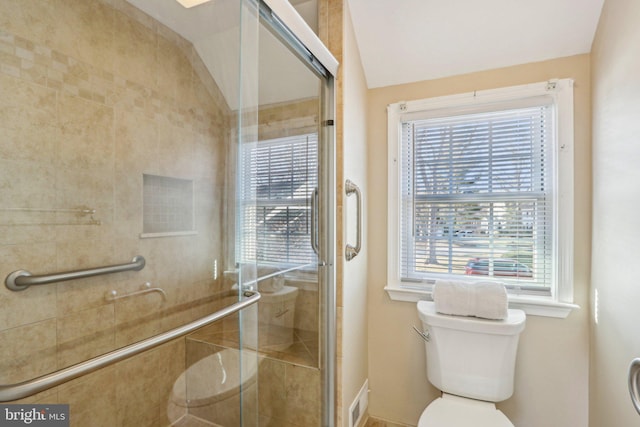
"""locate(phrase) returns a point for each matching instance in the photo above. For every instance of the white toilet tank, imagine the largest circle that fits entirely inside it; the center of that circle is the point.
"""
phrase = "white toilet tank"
(471, 357)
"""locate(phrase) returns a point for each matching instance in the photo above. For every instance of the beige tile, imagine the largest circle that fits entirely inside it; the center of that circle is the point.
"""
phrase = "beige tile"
(307, 304)
(137, 317)
(168, 55)
(27, 118)
(33, 72)
(143, 394)
(174, 314)
(206, 91)
(85, 334)
(86, 254)
(92, 399)
(83, 294)
(27, 184)
(26, 105)
(135, 51)
(11, 235)
(35, 303)
(128, 204)
(74, 225)
(134, 13)
(79, 186)
(87, 138)
(88, 32)
(272, 397)
(27, 352)
(47, 396)
(302, 385)
(136, 145)
(14, 15)
(35, 142)
(175, 160)
(209, 152)
(301, 407)
(339, 329)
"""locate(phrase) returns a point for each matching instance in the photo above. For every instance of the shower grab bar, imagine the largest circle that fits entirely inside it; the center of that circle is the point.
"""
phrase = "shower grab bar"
(634, 383)
(113, 295)
(20, 280)
(24, 389)
(350, 251)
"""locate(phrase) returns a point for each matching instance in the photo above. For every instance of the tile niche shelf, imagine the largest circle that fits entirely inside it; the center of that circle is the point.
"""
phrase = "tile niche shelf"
(168, 207)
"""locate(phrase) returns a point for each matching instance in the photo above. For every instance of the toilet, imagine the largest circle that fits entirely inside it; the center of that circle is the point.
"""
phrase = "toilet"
(472, 361)
(210, 387)
(275, 315)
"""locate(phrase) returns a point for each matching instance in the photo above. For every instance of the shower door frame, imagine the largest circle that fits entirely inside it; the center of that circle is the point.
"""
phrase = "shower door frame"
(294, 33)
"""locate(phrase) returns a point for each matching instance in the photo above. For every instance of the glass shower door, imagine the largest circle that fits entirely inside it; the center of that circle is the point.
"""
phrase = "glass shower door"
(284, 235)
(116, 120)
(189, 150)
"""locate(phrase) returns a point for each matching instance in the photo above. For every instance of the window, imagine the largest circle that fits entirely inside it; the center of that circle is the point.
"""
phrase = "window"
(279, 178)
(480, 188)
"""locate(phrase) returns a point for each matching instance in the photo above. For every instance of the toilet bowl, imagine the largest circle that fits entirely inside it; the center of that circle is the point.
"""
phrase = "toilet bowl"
(455, 411)
(210, 385)
(472, 361)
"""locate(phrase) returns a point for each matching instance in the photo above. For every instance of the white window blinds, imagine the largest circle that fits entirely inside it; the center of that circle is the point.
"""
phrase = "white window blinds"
(278, 177)
(477, 196)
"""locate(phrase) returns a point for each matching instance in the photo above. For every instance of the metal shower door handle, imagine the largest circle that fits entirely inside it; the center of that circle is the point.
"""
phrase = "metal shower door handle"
(314, 221)
(350, 251)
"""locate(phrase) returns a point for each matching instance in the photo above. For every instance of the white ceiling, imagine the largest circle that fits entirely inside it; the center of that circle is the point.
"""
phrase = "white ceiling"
(404, 41)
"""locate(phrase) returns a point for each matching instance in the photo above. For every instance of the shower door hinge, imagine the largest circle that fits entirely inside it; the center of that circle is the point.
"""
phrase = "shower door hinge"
(328, 122)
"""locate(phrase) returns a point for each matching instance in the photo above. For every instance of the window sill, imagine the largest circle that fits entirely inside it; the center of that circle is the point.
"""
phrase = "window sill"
(534, 306)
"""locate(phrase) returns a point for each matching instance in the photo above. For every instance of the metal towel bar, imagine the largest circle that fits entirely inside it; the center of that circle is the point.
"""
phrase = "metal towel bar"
(20, 280)
(23, 389)
(113, 295)
(352, 251)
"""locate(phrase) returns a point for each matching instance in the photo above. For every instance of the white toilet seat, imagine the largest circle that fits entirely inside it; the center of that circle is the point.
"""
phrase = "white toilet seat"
(455, 411)
(214, 378)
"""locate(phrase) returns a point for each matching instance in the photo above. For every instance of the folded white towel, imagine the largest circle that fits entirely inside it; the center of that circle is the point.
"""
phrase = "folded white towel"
(479, 299)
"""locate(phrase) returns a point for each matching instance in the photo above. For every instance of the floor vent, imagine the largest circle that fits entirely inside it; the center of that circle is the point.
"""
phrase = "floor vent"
(359, 405)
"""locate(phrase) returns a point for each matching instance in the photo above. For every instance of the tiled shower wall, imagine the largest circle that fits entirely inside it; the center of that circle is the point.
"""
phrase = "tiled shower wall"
(93, 95)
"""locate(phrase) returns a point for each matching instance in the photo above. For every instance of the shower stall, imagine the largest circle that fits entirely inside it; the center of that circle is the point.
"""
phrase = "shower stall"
(167, 211)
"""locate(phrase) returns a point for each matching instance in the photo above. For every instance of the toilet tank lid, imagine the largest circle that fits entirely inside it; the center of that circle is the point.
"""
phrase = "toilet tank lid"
(512, 325)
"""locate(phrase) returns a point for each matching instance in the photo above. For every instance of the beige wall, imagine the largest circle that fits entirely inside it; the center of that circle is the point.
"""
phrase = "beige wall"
(552, 367)
(354, 364)
(616, 200)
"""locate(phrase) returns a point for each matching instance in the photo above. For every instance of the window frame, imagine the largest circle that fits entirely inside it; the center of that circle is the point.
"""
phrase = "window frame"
(560, 302)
